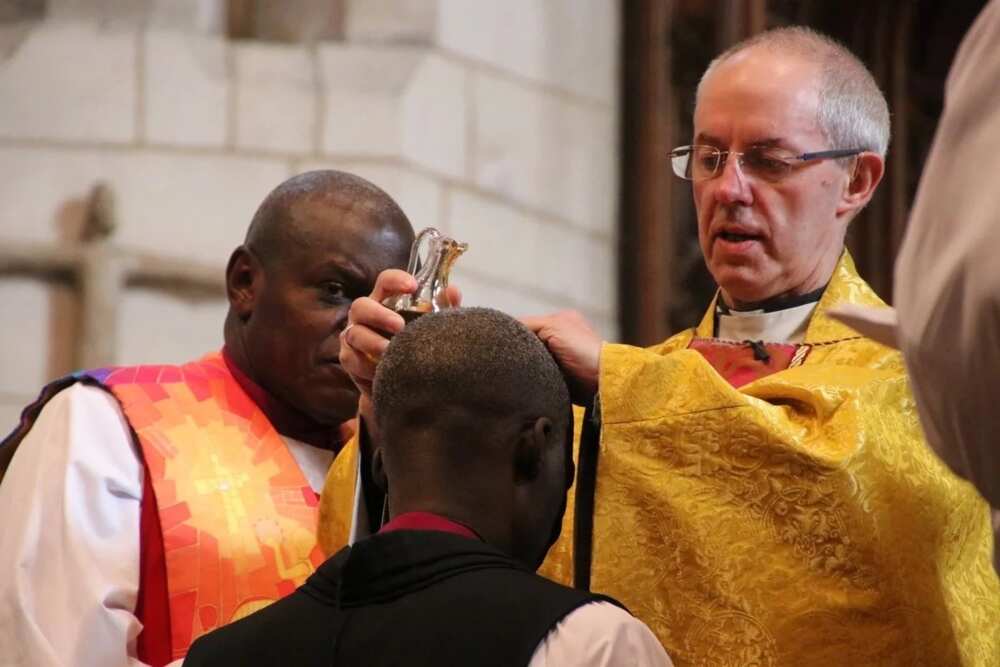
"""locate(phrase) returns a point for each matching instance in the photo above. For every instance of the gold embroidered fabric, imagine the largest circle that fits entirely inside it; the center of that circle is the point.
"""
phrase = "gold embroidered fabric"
(798, 520)
(336, 502)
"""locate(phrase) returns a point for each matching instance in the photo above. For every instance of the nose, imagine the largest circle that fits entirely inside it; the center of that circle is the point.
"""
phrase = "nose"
(340, 318)
(731, 185)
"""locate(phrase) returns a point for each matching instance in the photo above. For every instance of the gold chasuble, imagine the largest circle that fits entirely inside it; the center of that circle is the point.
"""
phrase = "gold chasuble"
(798, 518)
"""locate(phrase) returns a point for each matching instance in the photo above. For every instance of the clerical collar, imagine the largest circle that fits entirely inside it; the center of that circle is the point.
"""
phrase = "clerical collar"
(782, 320)
(772, 305)
(286, 421)
(429, 521)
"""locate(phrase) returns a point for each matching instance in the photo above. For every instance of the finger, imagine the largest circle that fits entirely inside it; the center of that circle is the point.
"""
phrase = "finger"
(357, 365)
(454, 296)
(392, 282)
(535, 323)
(370, 344)
(370, 314)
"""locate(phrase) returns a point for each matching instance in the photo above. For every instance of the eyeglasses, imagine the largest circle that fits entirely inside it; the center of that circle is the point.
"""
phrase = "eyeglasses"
(698, 163)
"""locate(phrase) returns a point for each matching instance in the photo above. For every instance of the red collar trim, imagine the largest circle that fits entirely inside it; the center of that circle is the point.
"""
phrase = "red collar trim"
(286, 421)
(429, 521)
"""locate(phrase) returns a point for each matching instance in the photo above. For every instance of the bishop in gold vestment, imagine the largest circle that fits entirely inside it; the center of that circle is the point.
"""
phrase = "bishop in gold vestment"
(770, 502)
(799, 519)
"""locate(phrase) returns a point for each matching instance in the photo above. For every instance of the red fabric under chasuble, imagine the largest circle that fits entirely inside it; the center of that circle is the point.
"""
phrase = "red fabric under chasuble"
(230, 525)
(742, 363)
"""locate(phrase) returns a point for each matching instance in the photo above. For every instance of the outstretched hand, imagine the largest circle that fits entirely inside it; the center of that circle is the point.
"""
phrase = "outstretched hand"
(576, 348)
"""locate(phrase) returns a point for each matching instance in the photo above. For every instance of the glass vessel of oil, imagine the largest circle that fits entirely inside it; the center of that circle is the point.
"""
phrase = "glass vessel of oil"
(431, 258)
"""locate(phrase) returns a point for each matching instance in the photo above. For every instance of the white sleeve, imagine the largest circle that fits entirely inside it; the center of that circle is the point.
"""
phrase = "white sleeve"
(69, 548)
(599, 634)
(947, 280)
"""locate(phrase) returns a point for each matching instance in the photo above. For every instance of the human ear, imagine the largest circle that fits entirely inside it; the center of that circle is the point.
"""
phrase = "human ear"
(532, 443)
(865, 176)
(378, 471)
(243, 274)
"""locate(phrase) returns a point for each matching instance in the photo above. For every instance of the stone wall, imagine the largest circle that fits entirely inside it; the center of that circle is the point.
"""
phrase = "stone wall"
(493, 121)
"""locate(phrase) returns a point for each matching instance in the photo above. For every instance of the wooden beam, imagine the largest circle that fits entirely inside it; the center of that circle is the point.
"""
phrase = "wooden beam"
(49, 262)
(646, 177)
(195, 280)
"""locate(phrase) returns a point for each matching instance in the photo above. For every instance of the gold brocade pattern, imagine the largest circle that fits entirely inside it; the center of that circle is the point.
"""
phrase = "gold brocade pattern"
(336, 502)
(799, 520)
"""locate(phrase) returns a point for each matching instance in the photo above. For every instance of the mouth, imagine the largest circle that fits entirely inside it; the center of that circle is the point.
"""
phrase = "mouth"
(737, 237)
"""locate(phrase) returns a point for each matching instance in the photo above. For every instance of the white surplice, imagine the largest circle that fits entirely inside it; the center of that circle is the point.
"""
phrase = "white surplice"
(69, 537)
(947, 275)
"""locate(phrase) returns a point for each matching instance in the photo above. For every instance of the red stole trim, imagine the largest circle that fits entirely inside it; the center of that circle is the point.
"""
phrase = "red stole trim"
(741, 363)
(429, 521)
(152, 606)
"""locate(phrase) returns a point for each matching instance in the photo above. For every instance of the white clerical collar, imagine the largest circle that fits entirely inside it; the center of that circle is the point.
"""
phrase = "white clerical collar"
(314, 462)
(779, 326)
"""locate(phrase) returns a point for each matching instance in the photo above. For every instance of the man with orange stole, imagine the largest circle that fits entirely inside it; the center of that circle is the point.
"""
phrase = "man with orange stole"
(145, 506)
(757, 489)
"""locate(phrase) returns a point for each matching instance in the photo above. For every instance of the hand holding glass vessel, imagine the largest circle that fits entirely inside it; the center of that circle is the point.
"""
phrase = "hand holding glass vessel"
(431, 272)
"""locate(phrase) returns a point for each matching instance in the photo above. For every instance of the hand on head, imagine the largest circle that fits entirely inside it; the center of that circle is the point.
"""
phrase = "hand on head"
(576, 348)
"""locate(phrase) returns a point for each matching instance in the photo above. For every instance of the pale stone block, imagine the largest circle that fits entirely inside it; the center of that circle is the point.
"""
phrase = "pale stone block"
(579, 267)
(23, 341)
(158, 328)
(188, 206)
(503, 243)
(547, 153)
(607, 327)
(363, 94)
(435, 118)
(10, 411)
(417, 194)
(518, 302)
(195, 207)
(569, 44)
(276, 98)
(43, 191)
(204, 16)
(409, 21)
(115, 13)
(186, 88)
(70, 81)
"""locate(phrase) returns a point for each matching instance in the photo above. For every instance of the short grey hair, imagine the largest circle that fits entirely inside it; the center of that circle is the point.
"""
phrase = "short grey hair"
(853, 112)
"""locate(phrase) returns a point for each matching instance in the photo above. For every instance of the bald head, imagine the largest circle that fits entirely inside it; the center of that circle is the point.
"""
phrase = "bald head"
(317, 243)
(287, 218)
(852, 110)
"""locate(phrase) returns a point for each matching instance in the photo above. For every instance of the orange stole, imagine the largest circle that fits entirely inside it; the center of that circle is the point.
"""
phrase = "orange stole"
(237, 516)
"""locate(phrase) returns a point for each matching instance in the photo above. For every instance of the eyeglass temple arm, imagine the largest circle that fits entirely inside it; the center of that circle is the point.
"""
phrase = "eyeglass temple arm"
(821, 155)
